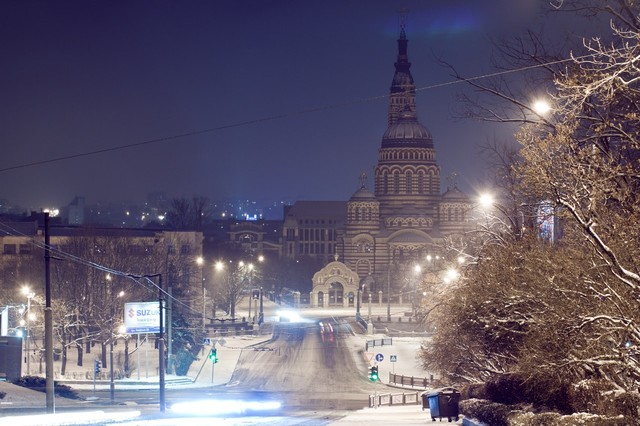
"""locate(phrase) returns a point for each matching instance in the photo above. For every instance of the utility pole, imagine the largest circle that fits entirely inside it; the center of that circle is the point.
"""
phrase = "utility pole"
(161, 346)
(261, 316)
(389, 292)
(161, 357)
(48, 321)
(169, 329)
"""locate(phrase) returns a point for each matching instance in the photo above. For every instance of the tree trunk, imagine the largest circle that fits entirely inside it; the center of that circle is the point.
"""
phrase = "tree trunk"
(126, 357)
(80, 353)
(63, 355)
(103, 348)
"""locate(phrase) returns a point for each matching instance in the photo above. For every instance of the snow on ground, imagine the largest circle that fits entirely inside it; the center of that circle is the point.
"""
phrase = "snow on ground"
(229, 349)
(392, 415)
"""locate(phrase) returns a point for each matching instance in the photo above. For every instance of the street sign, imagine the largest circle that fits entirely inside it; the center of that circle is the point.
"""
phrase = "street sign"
(393, 358)
(379, 357)
(206, 341)
(369, 356)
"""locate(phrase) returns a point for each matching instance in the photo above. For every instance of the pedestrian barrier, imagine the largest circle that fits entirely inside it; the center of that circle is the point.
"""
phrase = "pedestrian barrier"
(421, 382)
(378, 342)
(410, 398)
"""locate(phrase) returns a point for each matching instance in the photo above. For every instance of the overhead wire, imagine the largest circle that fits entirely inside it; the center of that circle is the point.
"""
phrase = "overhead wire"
(79, 260)
(279, 116)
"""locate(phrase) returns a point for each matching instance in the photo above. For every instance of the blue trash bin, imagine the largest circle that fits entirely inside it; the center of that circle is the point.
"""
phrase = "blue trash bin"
(443, 403)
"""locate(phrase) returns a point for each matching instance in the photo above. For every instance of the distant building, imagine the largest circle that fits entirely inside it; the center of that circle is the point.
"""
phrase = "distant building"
(171, 253)
(75, 211)
(310, 229)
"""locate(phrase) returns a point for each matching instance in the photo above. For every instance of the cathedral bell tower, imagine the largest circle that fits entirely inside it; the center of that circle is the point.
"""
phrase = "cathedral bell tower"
(407, 177)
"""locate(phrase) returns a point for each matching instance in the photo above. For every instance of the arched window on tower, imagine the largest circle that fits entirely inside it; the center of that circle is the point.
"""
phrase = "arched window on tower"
(409, 182)
(420, 182)
(396, 182)
(385, 183)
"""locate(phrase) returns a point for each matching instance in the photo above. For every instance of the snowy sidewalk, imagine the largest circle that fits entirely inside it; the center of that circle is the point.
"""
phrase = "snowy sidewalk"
(392, 415)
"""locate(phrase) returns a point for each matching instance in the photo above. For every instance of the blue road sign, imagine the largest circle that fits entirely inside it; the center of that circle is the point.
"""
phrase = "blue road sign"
(379, 357)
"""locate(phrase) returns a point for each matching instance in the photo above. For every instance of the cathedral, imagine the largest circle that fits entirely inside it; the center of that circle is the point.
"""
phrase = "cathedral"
(402, 220)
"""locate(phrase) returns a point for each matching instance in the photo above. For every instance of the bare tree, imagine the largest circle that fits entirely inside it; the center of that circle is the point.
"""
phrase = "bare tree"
(569, 309)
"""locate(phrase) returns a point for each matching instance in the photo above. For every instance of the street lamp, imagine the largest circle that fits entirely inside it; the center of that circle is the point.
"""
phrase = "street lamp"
(250, 267)
(30, 294)
(112, 387)
(261, 315)
(417, 270)
(200, 262)
(541, 107)
(219, 267)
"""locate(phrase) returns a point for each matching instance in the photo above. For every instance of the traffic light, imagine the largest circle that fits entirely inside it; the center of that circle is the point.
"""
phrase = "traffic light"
(213, 355)
(96, 366)
(373, 373)
(255, 294)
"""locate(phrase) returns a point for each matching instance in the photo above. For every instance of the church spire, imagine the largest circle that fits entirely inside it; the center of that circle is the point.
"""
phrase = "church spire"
(403, 90)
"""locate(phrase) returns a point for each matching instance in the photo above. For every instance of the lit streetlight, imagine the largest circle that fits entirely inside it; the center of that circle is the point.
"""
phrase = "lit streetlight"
(541, 107)
(120, 294)
(200, 263)
(261, 314)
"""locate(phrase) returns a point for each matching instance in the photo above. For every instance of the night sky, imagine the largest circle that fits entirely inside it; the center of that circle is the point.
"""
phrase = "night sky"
(284, 86)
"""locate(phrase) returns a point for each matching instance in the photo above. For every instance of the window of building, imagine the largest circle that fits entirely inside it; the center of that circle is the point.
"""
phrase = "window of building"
(10, 249)
(185, 249)
(385, 183)
(409, 182)
(396, 182)
(25, 248)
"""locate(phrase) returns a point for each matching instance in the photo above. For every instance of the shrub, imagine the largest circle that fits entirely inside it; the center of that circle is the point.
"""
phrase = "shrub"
(555, 419)
(40, 384)
(473, 391)
(487, 412)
(599, 397)
(543, 391)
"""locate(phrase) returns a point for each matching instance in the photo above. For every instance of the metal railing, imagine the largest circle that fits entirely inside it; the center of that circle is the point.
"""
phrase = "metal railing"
(377, 342)
(410, 398)
(421, 382)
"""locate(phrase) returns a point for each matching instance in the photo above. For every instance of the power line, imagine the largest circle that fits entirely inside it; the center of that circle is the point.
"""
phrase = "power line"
(276, 117)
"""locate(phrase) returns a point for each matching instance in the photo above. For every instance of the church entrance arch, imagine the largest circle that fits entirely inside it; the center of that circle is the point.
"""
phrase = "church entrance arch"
(334, 285)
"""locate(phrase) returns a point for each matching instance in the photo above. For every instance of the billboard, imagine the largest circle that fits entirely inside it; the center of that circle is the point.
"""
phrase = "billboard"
(142, 317)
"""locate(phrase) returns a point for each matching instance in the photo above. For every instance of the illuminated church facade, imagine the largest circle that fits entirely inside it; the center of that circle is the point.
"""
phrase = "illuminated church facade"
(402, 219)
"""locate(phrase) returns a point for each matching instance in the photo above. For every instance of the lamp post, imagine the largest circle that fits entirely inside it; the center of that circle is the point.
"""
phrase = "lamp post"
(261, 315)
(417, 270)
(358, 303)
(30, 294)
(219, 267)
(250, 268)
(161, 357)
(389, 292)
(112, 387)
(200, 262)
